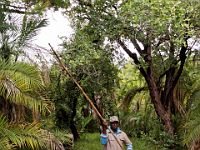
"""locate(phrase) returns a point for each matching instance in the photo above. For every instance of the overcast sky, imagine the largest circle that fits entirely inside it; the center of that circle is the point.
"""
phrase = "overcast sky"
(58, 26)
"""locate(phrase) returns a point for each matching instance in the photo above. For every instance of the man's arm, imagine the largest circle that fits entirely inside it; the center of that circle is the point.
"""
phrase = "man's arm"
(128, 143)
(104, 137)
(129, 146)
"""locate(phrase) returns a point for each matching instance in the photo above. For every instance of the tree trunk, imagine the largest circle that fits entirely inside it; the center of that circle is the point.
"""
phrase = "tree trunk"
(5, 107)
(36, 116)
(162, 113)
(17, 114)
(74, 131)
(195, 146)
(162, 99)
(72, 123)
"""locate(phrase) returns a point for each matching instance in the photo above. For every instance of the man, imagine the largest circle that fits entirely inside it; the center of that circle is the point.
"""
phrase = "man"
(114, 143)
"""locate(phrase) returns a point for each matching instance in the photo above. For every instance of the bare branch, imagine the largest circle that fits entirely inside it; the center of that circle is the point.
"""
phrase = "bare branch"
(134, 57)
(136, 45)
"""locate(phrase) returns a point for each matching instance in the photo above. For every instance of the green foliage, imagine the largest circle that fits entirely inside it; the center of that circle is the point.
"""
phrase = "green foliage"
(143, 143)
(21, 88)
(65, 138)
(131, 83)
(29, 29)
(85, 121)
(165, 25)
(25, 137)
(17, 33)
(19, 82)
(159, 31)
(192, 128)
(91, 141)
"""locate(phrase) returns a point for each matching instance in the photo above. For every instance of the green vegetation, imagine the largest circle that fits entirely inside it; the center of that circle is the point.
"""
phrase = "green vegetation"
(88, 141)
(91, 141)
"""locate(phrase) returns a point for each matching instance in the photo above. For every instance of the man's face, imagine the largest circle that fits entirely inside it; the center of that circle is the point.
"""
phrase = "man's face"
(114, 125)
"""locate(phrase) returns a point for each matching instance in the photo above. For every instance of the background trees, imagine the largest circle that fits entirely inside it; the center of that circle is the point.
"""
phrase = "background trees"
(159, 32)
(94, 70)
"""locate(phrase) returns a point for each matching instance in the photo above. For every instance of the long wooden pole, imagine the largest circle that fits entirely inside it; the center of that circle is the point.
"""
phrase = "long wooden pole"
(66, 70)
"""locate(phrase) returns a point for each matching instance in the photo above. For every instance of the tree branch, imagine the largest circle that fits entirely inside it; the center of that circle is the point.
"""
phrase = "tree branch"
(162, 40)
(18, 11)
(180, 70)
(134, 57)
(136, 45)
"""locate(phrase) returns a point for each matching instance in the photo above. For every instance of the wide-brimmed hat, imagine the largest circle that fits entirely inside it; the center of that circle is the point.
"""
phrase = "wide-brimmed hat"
(114, 119)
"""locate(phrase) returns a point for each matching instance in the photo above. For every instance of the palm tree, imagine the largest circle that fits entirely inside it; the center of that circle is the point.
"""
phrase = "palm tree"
(21, 89)
(19, 81)
(15, 38)
(192, 125)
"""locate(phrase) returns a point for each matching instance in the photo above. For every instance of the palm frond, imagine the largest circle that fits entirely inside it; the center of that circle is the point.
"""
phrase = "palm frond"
(30, 27)
(51, 141)
(193, 131)
(17, 83)
(4, 141)
(192, 125)
(129, 95)
(24, 75)
(29, 136)
(5, 144)
(16, 136)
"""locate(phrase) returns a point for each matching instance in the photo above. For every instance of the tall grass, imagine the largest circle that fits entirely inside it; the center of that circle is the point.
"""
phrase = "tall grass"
(91, 141)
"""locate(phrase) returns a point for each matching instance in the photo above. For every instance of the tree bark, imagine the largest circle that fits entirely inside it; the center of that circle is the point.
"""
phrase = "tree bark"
(17, 114)
(162, 113)
(195, 146)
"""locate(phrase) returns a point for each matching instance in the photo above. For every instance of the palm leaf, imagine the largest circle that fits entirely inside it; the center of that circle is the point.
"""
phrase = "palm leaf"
(18, 81)
(26, 137)
(192, 125)
(23, 137)
(51, 141)
(29, 29)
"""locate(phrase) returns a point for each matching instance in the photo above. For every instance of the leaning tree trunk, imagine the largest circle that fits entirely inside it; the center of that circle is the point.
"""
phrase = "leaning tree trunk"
(162, 113)
(73, 98)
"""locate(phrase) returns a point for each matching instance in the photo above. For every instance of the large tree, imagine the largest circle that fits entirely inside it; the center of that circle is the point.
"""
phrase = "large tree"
(155, 34)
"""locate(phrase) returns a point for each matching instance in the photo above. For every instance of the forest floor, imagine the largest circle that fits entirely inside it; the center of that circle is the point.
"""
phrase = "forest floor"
(91, 141)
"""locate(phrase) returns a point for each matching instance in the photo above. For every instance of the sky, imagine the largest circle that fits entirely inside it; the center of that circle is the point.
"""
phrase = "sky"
(58, 26)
